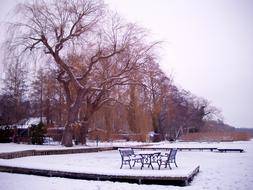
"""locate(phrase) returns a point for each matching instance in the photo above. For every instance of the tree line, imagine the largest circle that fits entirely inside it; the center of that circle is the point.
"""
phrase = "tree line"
(94, 68)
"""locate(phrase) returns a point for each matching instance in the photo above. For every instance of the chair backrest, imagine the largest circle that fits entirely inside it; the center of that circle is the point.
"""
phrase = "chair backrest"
(126, 152)
(173, 153)
(155, 157)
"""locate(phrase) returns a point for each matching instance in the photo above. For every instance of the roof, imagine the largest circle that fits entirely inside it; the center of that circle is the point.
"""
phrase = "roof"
(24, 124)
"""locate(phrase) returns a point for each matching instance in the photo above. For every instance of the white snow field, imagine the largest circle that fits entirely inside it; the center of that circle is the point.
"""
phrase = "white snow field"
(224, 171)
(12, 147)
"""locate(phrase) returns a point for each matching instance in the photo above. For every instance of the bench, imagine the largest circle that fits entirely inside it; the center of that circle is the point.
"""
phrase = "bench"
(230, 150)
(128, 156)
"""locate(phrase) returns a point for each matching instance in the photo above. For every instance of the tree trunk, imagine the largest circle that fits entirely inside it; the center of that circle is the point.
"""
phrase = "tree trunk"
(68, 132)
(67, 136)
(108, 123)
(84, 130)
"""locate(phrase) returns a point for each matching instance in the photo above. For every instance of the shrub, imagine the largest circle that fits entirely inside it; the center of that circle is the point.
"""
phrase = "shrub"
(5, 134)
(37, 133)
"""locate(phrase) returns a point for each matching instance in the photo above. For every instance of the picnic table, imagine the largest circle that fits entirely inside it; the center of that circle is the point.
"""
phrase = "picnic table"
(148, 157)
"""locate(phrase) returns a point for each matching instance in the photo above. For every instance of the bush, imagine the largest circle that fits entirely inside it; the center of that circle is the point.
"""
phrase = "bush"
(37, 133)
(6, 134)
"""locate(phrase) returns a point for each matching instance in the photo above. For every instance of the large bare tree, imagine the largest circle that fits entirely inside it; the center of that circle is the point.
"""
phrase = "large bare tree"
(91, 50)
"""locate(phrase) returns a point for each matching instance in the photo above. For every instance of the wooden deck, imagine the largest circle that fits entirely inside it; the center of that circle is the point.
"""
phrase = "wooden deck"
(167, 149)
(230, 150)
(182, 180)
(169, 179)
(19, 154)
(212, 149)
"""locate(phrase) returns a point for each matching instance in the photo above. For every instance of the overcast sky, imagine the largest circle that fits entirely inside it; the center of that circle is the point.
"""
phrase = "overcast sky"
(208, 47)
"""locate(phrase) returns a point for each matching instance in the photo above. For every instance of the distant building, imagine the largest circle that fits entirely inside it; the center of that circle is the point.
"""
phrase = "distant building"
(26, 123)
(20, 131)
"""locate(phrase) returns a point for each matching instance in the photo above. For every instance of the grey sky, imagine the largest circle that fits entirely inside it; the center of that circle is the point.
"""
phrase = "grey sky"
(208, 49)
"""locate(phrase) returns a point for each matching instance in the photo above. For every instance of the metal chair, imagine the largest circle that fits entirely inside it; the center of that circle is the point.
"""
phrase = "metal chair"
(127, 155)
(168, 158)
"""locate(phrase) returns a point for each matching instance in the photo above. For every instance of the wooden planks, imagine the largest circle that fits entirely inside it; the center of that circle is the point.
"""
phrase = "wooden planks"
(188, 149)
(167, 149)
(230, 150)
(19, 154)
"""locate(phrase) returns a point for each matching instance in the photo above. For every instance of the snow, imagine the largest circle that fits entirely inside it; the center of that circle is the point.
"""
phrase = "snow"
(13, 147)
(29, 122)
(233, 144)
(225, 171)
(108, 163)
(26, 182)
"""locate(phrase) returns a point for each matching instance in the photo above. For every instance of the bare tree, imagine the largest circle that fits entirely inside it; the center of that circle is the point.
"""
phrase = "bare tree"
(93, 52)
(184, 112)
(46, 96)
(156, 82)
(15, 87)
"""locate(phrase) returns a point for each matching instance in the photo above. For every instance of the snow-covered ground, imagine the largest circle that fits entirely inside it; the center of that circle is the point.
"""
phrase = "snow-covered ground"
(224, 171)
(13, 147)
